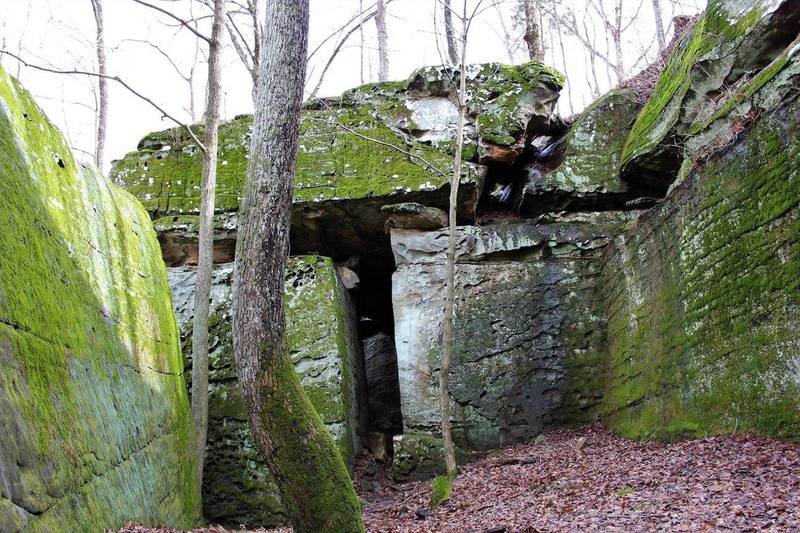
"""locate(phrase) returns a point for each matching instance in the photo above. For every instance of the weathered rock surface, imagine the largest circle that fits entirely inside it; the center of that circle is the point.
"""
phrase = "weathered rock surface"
(347, 167)
(325, 348)
(702, 292)
(587, 178)
(528, 332)
(95, 426)
(380, 362)
(732, 48)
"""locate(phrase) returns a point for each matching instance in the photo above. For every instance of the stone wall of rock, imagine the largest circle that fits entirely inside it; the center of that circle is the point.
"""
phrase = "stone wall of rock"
(324, 345)
(702, 291)
(95, 427)
(529, 332)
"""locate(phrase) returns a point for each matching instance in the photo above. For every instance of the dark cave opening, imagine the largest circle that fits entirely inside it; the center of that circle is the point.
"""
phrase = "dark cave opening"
(373, 300)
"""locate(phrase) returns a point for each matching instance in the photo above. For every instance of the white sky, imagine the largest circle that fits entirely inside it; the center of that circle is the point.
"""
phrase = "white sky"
(60, 33)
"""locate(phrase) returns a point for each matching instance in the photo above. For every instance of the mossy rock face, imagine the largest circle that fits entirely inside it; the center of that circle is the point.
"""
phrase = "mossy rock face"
(348, 162)
(528, 335)
(730, 44)
(95, 427)
(420, 456)
(587, 179)
(702, 294)
(323, 342)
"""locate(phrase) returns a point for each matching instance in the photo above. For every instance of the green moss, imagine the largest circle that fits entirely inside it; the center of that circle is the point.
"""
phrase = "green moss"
(440, 490)
(702, 296)
(88, 339)
(303, 449)
(714, 28)
(345, 147)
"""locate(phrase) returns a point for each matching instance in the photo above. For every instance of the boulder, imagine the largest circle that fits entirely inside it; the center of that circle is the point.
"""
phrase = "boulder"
(414, 216)
(587, 177)
(323, 343)
(379, 144)
(95, 426)
(420, 456)
(528, 335)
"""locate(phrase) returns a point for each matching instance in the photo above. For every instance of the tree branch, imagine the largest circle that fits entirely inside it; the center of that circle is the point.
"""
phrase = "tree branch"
(118, 80)
(176, 18)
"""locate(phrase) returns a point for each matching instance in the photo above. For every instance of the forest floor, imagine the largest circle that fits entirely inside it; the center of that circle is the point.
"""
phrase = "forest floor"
(587, 479)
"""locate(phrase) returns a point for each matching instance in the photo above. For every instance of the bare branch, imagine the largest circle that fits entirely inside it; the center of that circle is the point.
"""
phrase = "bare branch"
(182, 22)
(117, 79)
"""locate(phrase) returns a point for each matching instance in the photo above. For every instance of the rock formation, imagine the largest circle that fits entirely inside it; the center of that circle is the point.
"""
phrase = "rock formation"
(324, 345)
(95, 427)
(637, 266)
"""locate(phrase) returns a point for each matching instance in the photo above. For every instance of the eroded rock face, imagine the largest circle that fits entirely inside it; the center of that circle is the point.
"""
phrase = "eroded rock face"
(528, 333)
(95, 428)
(347, 169)
(732, 48)
(702, 292)
(324, 345)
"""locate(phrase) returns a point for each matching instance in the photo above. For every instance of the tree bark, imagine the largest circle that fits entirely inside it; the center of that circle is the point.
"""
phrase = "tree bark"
(383, 41)
(449, 33)
(660, 36)
(208, 185)
(533, 31)
(312, 479)
(102, 82)
(449, 307)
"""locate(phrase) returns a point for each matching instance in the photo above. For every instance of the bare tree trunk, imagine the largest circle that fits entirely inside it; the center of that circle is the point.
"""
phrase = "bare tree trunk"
(616, 35)
(312, 479)
(533, 31)
(208, 186)
(102, 110)
(452, 49)
(662, 43)
(564, 60)
(449, 307)
(361, 38)
(383, 38)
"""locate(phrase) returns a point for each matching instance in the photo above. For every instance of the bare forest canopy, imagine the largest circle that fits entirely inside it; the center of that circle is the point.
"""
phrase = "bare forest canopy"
(595, 43)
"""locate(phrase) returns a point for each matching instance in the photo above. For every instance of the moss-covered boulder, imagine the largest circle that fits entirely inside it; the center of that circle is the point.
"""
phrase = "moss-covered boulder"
(702, 293)
(95, 426)
(587, 178)
(378, 144)
(324, 345)
(732, 45)
(528, 332)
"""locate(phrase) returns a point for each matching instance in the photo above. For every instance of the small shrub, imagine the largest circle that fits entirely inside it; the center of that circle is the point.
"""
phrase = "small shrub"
(440, 491)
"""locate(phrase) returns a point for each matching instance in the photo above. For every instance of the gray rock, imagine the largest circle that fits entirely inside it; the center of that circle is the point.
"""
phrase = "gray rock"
(321, 331)
(528, 334)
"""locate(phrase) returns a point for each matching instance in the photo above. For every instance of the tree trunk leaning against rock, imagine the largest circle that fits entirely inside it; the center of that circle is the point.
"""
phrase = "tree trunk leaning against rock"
(205, 252)
(312, 479)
